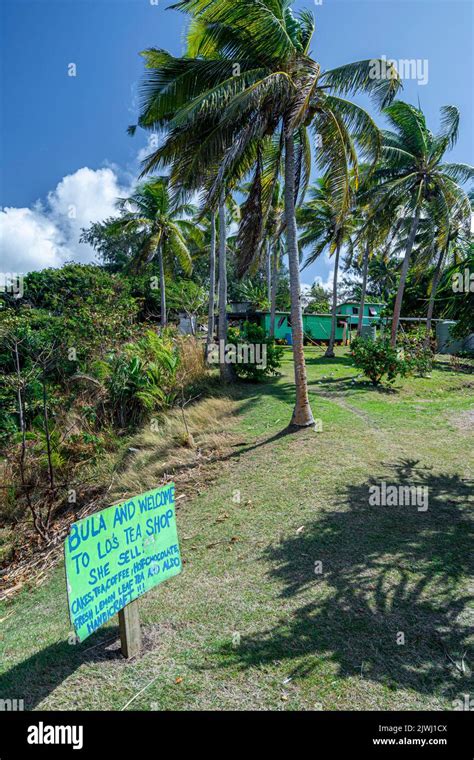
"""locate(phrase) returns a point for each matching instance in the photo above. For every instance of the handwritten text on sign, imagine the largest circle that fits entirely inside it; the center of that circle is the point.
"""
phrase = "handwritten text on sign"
(114, 556)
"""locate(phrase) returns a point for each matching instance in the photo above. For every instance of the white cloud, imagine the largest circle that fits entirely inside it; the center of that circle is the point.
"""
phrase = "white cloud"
(327, 284)
(47, 235)
(153, 143)
(29, 240)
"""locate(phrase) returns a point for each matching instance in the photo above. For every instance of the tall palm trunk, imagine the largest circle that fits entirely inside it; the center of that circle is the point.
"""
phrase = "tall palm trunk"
(226, 370)
(401, 287)
(269, 272)
(302, 415)
(273, 296)
(434, 288)
(364, 288)
(212, 284)
(161, 265)
(330, 349)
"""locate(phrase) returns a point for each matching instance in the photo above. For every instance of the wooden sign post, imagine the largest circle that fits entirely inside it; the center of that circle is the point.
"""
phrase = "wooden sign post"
(114, 556)
(130, 631)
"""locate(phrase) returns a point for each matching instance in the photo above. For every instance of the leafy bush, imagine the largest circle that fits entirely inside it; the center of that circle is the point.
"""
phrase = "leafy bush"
(250, 335)
(418, 357)
(79, 367)
(376, 358)
(141, 379)
(188, 297)
(255, 293)
(93, 307)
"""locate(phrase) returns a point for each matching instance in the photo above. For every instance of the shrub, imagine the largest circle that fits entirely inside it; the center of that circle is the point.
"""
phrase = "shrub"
(377, 358)
(418, 357)
(141, 379)
(91, 306)
(250, 335)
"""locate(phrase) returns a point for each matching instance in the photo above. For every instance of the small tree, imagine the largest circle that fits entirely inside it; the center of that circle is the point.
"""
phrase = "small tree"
(377, 358)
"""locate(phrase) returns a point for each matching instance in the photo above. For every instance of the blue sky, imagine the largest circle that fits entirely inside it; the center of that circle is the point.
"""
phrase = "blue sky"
(64, 144)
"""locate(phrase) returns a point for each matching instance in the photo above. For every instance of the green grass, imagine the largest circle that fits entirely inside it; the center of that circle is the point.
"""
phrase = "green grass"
(249, 624)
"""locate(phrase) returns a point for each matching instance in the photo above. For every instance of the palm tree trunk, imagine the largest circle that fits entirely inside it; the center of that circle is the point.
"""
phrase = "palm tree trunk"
(434, 288)
(162, 286)
(401, 287)
(226, 370)
(330, 349)
(302, 415)
(274, 291)
(212, 284)
(364, 288)
(269, 272)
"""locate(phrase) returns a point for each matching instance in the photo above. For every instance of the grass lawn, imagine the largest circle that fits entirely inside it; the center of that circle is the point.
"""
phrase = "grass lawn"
(251, 623)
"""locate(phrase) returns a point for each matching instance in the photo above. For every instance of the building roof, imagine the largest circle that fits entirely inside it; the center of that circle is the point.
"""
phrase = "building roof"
(367, 303)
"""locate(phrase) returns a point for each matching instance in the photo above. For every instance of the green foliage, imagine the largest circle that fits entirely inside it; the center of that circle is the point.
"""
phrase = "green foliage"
(376, 358)
(150, 213)
(187, 296)
(252, 334)
(255, 292)
(417, 356)
(456, 293)
(35, 344)
(320, 300)
(141, 379)
(68, 318)
(82, 304)
(247, 72)
(115, 251)
(321, 225)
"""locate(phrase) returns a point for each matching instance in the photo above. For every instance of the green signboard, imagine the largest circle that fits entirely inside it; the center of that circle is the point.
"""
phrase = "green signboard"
(114, 556)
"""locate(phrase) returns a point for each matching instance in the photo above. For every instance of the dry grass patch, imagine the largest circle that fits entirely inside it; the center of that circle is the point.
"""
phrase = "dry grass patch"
(183, 445)
(185, 441)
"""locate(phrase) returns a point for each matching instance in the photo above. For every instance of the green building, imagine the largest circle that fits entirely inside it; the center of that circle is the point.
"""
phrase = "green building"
(316, 326)
(349, 310)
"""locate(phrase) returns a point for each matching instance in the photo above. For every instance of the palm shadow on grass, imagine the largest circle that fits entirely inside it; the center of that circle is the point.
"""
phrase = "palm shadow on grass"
(464, 367)
(36, 677)
(385, 571)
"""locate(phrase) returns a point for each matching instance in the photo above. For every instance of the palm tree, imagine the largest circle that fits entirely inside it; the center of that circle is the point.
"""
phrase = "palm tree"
(212, 282)
(226, 370)
(274, 234)
(167, 232)
(382, 273)
(374, 232)
(414, 179)
(459, 304)
(450, 248)
(249, 75)
(375, 241)
(323, 229)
